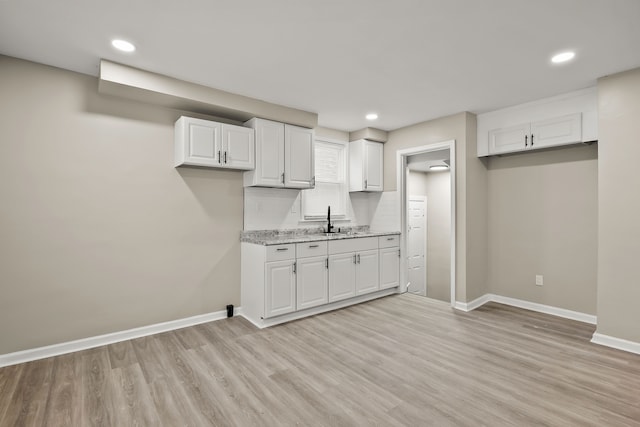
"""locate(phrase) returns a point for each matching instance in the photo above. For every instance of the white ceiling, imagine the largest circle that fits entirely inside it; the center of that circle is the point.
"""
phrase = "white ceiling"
(407, 60)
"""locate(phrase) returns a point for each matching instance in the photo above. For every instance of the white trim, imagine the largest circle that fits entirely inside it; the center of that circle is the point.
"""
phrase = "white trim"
(401, 164)
(265, 323)
(472, 305)
(114, 337)
(617, 343)
(527, 305)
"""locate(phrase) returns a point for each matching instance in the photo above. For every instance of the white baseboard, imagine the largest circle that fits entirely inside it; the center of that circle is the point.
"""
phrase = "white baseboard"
(618, 343)
(472, 305)
(100, 340)
(528, 305)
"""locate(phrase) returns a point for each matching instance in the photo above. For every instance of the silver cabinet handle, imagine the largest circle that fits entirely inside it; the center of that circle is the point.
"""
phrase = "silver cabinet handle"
(313, 246)
(526, 140)
(294, 267)
(358, 258)
(313, 181)
(326, 263)
(532, 140)
(354, 258)
(219, 158)
(398, 253)
(282, 249)
(391, 238)
(365, 183)
(225, 157)
(283, 177)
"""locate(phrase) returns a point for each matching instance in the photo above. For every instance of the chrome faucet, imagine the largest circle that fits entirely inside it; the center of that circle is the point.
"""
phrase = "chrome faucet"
(329, 225)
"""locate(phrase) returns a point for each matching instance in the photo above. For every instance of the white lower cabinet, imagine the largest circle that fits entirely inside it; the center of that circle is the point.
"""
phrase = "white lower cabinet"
(389, 267)
(312, 281)
(367, 277)
(280, 289)
(342, 276)
(287, 278)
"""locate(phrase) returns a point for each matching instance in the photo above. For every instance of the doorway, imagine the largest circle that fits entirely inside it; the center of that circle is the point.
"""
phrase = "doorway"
(426, 183)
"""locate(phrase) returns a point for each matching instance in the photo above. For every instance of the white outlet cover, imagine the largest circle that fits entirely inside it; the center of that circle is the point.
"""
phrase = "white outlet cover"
(539, 280)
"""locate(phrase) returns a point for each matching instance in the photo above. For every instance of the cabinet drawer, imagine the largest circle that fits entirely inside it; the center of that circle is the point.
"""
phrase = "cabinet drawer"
(308, 249)
(281, 252)
(353, 245)
(389, 241)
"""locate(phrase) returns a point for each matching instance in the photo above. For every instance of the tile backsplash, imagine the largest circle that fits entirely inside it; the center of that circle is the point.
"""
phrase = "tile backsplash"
(276, 208)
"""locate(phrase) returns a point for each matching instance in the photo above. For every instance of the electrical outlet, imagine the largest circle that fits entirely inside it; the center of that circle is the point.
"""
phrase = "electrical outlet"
(539, 281)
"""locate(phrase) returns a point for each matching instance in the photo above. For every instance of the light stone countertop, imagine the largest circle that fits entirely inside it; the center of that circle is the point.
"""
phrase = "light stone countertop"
(279, 237)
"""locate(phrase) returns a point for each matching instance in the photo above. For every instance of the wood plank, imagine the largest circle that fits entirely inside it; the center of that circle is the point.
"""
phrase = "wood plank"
(400, 360)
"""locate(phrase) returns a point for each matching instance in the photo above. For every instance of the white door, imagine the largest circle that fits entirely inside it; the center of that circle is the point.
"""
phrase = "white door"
(367, 275)
(509, 139)
(342, 276)
(269, 153)
(238, 147)
(557, 131)
(312, 281)
(204, 143)
(298, 157)
(373, 166)
(280, 296)
(417, 237)
(389, 267)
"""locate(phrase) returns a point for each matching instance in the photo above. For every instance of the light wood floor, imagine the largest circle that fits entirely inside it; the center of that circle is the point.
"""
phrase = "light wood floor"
(401, 360)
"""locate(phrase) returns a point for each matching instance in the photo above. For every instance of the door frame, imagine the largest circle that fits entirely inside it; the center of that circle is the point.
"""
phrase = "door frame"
(401, 166)
(426, 232)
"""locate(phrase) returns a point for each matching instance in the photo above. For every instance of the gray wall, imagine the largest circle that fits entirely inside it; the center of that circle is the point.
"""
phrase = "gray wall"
(436, 187)
(619, 205)
(543, 220)
(471, 193)
(98, 231)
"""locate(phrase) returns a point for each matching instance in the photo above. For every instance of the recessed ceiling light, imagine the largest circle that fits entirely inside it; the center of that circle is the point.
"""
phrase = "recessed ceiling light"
(371, 116)
(438, 167)
(123, 45)
(563, 57)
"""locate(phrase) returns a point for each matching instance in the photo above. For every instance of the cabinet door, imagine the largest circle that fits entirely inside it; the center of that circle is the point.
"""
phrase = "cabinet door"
(238, 148)
(557, 131)
(298, 157)
(312, 282)
(509, 139)
(367, 274)
(280, 290)
(269, 153)
(203, 142)
(342, 276)
(373, 166)
(389, 267)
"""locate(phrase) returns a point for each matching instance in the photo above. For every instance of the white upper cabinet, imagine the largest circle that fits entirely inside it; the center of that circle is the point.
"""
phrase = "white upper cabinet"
(238, 147)
(556, 131)
(507, 140)
(365, 166)
(566, 119)
(206, 143)
(299, 163)
(284, 156)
